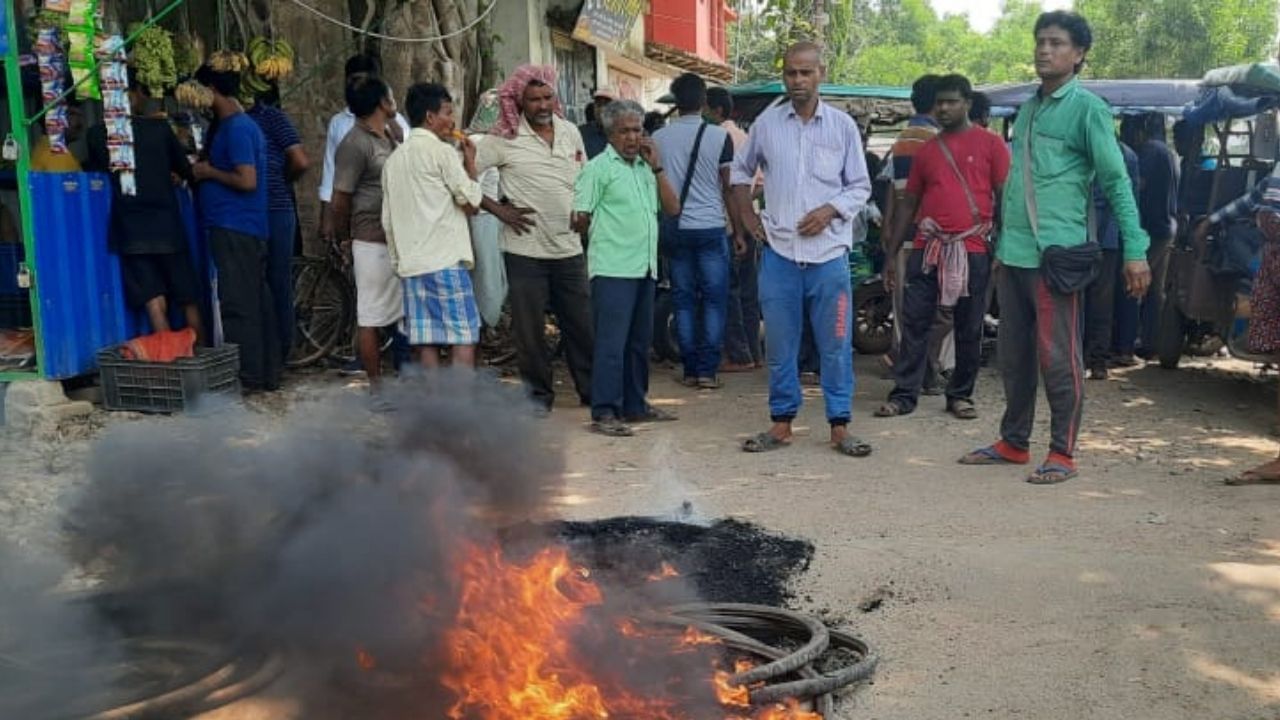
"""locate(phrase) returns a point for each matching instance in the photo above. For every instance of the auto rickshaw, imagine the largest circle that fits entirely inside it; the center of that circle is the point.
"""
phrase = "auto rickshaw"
(1208, 282)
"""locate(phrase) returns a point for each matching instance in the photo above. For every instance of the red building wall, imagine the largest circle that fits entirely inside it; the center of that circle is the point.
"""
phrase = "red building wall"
(695, 26)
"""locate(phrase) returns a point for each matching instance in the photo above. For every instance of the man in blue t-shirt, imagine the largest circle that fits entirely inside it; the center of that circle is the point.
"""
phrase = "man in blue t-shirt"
(286, 162)
(699, 250)
(233, 202)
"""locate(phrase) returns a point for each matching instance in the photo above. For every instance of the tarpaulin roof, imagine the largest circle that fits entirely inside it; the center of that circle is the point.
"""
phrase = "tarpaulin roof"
(1123, 95)
(1258, 77)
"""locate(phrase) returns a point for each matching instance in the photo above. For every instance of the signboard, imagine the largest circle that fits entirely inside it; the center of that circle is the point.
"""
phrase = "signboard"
(607, 22)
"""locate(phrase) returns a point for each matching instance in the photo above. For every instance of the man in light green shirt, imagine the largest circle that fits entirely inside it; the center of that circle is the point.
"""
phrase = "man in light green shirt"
(616, 201)
(1064, 137)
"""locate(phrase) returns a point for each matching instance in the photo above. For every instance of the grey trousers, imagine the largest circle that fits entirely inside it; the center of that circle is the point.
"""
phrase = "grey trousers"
(1040, 336)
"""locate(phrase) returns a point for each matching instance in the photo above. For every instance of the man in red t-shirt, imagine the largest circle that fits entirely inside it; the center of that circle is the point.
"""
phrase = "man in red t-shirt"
(951, 197)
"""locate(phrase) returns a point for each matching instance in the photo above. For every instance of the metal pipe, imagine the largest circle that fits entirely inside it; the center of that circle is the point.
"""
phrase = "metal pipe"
(17, 109)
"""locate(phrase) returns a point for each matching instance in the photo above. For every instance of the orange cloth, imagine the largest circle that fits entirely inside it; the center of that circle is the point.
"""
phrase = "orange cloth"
(162, 346)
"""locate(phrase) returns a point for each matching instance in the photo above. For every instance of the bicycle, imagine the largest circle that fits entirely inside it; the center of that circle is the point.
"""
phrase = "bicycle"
(324, 307)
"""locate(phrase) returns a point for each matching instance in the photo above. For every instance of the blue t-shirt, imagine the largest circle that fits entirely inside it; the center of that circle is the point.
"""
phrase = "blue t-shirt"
(238, 141)
(281, 135)
(703, 209)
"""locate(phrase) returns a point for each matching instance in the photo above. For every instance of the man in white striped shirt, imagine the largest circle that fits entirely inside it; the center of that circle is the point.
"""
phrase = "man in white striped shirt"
(815, 185)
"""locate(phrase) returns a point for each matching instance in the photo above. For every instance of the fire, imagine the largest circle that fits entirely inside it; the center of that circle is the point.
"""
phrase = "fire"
(665, 572)
(365, 660)
(511, 653)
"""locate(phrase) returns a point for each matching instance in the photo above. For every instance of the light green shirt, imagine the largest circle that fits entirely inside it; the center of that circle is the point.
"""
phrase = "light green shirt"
(1073, 138)
(622, 198)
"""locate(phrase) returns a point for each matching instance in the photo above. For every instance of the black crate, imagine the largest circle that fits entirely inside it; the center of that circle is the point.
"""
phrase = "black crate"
(176, 386)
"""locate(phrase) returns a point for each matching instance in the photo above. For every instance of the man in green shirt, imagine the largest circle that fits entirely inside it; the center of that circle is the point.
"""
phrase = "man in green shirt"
(615, 201)
(1064, 137)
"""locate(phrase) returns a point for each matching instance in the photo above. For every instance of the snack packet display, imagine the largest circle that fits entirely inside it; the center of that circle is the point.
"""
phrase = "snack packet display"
(113, 77)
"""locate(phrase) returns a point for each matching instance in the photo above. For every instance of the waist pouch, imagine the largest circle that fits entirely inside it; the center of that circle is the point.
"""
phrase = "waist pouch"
(1069, 270)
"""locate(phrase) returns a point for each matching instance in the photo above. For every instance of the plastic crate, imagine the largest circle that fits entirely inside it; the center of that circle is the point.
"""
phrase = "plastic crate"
(176, 386)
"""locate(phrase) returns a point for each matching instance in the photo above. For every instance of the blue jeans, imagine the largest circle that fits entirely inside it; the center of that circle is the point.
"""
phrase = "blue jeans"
(282, 224)
(622, 310)
(700, 294)
(787, 291)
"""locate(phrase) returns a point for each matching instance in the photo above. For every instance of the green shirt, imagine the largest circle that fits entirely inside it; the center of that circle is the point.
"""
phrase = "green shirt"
(622, 198)
(1074, 139)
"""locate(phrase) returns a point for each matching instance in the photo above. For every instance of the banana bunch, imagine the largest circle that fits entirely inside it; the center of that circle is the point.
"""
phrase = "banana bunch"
(251, 86)
(272, 59)
(152, 56)
(194, 95)
(228, 61)
(188, 54)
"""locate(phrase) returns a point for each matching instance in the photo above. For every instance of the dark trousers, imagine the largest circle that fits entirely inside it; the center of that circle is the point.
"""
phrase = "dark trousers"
(1040, 336)
(561, 284)
(742, 321)
(246, 306)
(700, 295)
(1158, 259)
(283, 225)
(623, 313)
(920, 313)
(1101, 310)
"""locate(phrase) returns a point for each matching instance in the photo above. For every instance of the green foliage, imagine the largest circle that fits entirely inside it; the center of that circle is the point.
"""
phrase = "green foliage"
(1176, 38)
(892, 42)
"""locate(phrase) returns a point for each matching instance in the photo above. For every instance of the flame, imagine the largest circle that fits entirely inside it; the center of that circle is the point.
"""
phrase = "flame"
(665, 572)
(511, 652)
(365, 660)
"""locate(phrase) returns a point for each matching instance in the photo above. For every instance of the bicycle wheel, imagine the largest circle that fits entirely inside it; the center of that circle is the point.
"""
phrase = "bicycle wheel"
(323, 306)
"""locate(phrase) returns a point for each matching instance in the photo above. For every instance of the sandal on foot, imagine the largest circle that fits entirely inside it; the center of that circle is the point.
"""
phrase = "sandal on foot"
(891, 409)
(709, 383)
(853, 447)
(764, 442)
(990, 455)
(1052, 473)
(686, 380)
(963, 410)
(611, 427)
(1263, 475)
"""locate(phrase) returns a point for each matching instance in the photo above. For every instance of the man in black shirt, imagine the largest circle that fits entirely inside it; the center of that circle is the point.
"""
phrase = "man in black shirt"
(147, 231)
(593, 135)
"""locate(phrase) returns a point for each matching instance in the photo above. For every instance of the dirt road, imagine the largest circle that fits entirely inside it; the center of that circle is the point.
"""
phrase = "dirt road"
(1143, 589)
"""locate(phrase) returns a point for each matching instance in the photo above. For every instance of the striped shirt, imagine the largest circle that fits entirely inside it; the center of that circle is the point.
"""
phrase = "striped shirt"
(920, 130)
(281, 135)
(806, 165)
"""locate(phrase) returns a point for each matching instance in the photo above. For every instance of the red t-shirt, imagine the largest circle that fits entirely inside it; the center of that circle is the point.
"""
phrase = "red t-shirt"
(984, 160)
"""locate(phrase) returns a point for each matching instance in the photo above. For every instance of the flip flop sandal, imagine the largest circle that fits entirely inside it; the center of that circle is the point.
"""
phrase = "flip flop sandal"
(963, 410)
(891, 409)
(764, 442)
(1051, 474)
(853, 447)
(612, 427)
(709, 383)
(987, 456)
